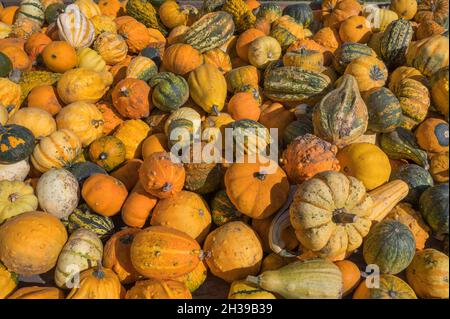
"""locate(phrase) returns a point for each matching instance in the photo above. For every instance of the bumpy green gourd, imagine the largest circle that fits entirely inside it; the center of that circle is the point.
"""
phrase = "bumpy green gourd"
(144, 12)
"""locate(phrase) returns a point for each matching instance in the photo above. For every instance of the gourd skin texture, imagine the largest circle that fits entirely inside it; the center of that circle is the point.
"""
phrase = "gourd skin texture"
(434, 207)
(242, 289)
(16, 198)
(391, 287)
(158, 289)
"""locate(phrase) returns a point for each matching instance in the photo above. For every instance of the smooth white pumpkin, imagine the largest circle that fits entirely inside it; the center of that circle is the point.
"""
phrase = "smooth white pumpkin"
(15, 172)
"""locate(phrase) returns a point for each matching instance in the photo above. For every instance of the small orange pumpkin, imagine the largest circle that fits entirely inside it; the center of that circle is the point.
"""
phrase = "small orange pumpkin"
(355, 29)
(153, 144)
(35, 44)
(244, 41)
(112, 8)
(44, 97)
(59, 56)
(275, 115)
(181, 59)
(135, 34)
(351, 275)
(219, 59)
(130, 97)
(244, 105)
(128, 173)
(138, 207)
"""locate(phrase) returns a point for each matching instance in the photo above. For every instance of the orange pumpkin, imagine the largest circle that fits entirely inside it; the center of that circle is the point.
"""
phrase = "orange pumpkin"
(35, 44)
(36, 292)
(116, 255)
(111, 118)
(244, 41)
(160, 176)
(164, 253)
(329, 39)
(112, 8)
(176, 34)
(159, 289)
(128, 173)
(135, 34)
(355, 29)
(119, 70)
(351, 275)
(138, 206)
(44, 97)
(244, 105)
(173, 15)
(312, 45)
(153, 144)
(104, 194)
(181, 59)
(275, 115)
(59, 56)
(336, 11)
(18, 57)
(7, 14)
(242, 76)
(130, 97)
(219, 59)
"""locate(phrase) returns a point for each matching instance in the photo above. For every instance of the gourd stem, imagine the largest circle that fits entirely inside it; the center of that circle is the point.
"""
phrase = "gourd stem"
(167, 187)
(103, 156)
(124, 91)
(253, 279)
(13, 197)
(215, 110)
(261, 175)
(98, 272)
(341, 216)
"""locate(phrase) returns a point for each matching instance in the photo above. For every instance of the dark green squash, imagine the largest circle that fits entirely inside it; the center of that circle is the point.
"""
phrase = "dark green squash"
(299, 127)
(5, 65)
(152, 53)
(53, 11)
(417, 178)
(222, 209)
(395, 41)
(385, 112)
(170, 91)
(433, 206)
(85, 169)
(349, 51)
(400, 144)
(82, 217)
(181, 133)
(301, 12)
(16, 143)
(270, 11)
(390, 245)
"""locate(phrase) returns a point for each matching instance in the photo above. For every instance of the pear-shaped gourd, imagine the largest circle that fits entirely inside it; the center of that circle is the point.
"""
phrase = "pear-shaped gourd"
(341, 117)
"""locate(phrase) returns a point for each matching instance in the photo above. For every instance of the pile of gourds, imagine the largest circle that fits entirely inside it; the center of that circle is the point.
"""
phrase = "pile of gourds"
(91, 92)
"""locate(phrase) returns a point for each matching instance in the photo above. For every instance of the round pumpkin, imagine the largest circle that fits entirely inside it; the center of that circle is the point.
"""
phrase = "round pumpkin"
(406, 9)
(244, 41)
(219, 59)
(263, 50)
(38, 121)
(31, 242)
(385, 112)
(368, 71)
(15, 172)
(417, 178)
(164, 253)
(158, 289)
(243, 105)
(390, 287)
(128, 173)
(242, 76)
(59, 56)
(130, 97)
(433, 205)
(111, 47)
(90, 59)
(44, 97)
(414, 100)
(336, 11)
(16, 198)
(432, 135)
(141, 68)
(181, 59)
(243, 253)
(104, 194)
(355, 29)
(107, 152)
(351, 275)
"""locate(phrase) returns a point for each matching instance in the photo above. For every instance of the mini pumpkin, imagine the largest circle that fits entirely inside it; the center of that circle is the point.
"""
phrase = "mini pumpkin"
(432, 135)
(38, 121)
(368, 71)
(111, 47)
(130, 97)
(16, 198)
(263, 50)
(107, 152)
(355, 29)
(132, 133)
(181, 59)
(406, 9)
(44, 97)
(138, 206)
(59, 56)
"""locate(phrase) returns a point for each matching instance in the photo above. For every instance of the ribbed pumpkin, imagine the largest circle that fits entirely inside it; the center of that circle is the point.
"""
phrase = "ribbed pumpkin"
(264, 50)
(132, 133)
(368, 71)
(16, 198)
(181, 59)
(355, 29)
(111, 47)
(136, 35)
(141, 68)
(83, 119)
(349, 51)
(395, 41)
(336, 11)
(31, 9)
(341, 116)
(385, 112)
(90, 59)
(242, 76)
(38, 121)
(436, 10)
(390, 245)
(306, 59)
(35, 292)
(433, 205)
(219, 59)
(158, 289)
(57, 150)
(401, 73)
(286, 30)
(164, 253)
(428, 273)
(130, 97)
(440, 90)
(390, 287)
(75, 28)
(107, 152)
(170, 91)
(428, 55)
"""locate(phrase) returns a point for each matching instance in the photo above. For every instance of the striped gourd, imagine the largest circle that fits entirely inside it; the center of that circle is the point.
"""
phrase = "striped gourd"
(82, 217)
(82, 251)
(285, 30)
(75, 28)
(384, 109)
(170, 91)
(145, 13)
(223, 210)
(31, 9)
(270, 11)
(89, 8)
(305, 59)
(428, 55)
(395, 42)
(414, 100)
(244, 290)
(250, 137)
(210, 31)
(293, 84)
(142, 68)
(348, 52)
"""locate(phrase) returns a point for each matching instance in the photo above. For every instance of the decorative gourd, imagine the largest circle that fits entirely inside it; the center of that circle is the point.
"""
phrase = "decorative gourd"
(52, 11)
(31, 9)
(111, 47)
(44, 97)
(36, 292)
(10, 94)
(57, 192)
(310, 279)
(103, 23)
(400, 144)
(301, 12)
(194, 279)
(306, 59)
(433, 205)
(136, 35)
(436, 10)
(266, 188)
(132, 133)
(336, 11)
(439, 90)
(432, 135)
(5, 65)
(187, 119)
(385, 112)
(141, 68)
(153, 144)
(160, 176)
(395, 41)
(8, 14)
(293, 84)
(244, 41)
(31, 242)
(244, 105)
(269, 11)
(36, 44)
(158, 289)
(341, 116)
(30, 80)
(56, 150)
(297, 128)
(38, 121)
(250, 137)
(428, 55)
(130, 97)
(18, 58)
(243, 254)
(177, 253)
(111, 118)
(406, 9)
(98, 283)
(176, 34)
(82, 251)
(208, 88)
(59, 56)
(275, 115)
(306, 156)
(417, 178)
(170, 91)
(83, 85)
(138, 206)
(16, 143)
(219, 59)
(144, 11)
(411, 218)
(82, 217)
(173, 15)
(83, 119)
(355, 29)
(390, 287)
(83, 170)
(242, 76)
(243, 16)
(351, 275)
(88, 7)
(15, 172)
(210, 31)
(428, 28)
(285, 30)
(108, 152)
(263, 50)
(438, 167)
(116, 255)
(104, 194)
(222, 209)
(427, 274)
(8, 282)
(368, 71)
(329, 39)
(242, 289)
(128, 173)
(379, 18)
(75, 28)
(390, 245)
(16, 198)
